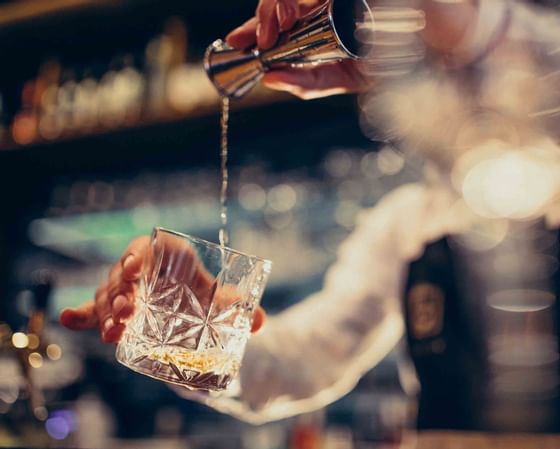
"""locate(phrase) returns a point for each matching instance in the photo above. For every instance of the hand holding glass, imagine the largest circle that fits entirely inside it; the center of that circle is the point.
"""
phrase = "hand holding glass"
(195, 303)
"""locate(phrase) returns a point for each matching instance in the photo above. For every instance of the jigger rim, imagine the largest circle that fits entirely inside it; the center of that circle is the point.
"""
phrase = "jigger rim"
(339, 41)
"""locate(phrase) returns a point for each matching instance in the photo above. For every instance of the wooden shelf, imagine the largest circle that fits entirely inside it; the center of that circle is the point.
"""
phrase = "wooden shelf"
(21, 11)
(275, 129)
(210, 106)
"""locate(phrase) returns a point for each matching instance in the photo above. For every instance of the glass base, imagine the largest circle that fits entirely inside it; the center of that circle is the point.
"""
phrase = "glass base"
(196, 371)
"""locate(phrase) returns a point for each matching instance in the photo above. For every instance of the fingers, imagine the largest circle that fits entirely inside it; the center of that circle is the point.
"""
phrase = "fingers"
(332, 79)
(258, 320)
(287, 13)
(111, 331)
(117, 284)
(273, 16)
(113, 301)
(113, 334)
(94, 314)
(103, 310)
(267, 26)
(118, 296)
(80, 318)
(122, 308)
(306, 6)
(133, 258)
(243, 36)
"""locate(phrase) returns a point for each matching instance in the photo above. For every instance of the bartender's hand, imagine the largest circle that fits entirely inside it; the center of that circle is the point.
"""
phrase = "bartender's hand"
(446, 25)
(272, 18)
(114, 298)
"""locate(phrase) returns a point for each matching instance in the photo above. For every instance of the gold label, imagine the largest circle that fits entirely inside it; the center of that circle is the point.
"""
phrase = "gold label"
(425, 310)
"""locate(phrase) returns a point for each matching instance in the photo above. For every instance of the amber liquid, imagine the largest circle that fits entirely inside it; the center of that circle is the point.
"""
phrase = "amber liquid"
(224, 122)
(209, 370)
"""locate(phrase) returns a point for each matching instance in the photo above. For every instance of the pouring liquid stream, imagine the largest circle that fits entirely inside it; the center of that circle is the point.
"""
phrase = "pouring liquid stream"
(224, 122)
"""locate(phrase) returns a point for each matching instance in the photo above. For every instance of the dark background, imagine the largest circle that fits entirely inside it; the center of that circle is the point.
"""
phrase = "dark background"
(314, 147)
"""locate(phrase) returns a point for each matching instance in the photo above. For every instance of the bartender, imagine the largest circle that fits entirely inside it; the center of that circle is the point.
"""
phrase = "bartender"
(479, 101)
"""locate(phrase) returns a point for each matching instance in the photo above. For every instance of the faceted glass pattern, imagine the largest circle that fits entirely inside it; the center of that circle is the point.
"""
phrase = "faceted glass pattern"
(194, 308)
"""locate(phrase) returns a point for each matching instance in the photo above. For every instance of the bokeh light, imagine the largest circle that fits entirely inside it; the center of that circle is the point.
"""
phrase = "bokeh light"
(20, 340)
(40, 413)
(54, 352)
(35, 360)
(389, 161)
(521, 300)
(61, 423)
(282, 197)
(481, 235)
(338, 163)
(33, 341)
(346, 213)
(57, 428)
(513, 185)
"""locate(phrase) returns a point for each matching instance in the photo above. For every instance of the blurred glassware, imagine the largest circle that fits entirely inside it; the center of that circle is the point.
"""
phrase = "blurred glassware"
(338, 438)
(271, 436)
(86, 103)
(50, 123)
(188, 88)
(66, 96)
(24, 125)
(31, 360)
(111, 112)
(307, 431)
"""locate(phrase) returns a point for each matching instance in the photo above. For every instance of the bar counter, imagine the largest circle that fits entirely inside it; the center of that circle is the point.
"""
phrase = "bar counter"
(457, 440)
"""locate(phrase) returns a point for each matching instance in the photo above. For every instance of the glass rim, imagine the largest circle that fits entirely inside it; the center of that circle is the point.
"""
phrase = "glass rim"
(210, 244)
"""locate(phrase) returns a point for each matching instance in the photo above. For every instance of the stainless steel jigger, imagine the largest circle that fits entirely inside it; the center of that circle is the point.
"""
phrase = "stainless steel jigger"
(325, 34)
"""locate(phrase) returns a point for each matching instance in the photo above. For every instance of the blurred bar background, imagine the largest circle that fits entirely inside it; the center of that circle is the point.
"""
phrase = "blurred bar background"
(108, 127)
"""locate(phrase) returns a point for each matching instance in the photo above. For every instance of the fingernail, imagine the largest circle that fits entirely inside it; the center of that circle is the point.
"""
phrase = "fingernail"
(107, 325)
(128, 261)
(122, 309)
(114, 334)
(118, 304)
(259, 31)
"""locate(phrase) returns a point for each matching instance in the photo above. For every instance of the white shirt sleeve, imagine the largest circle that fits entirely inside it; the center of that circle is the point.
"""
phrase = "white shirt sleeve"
(520, 70)
(316, 351)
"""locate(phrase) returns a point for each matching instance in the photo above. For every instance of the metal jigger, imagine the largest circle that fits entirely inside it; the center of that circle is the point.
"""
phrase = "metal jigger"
(325, 34)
